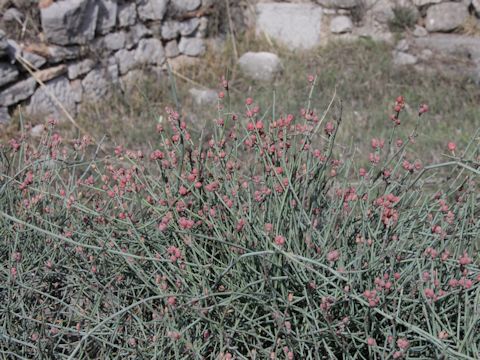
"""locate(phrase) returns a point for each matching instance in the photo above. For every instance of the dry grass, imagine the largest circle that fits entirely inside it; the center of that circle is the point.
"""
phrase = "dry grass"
(361, 72)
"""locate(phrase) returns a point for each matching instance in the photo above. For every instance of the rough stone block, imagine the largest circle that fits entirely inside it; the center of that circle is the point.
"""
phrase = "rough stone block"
(186, 5)
(192, 46)
(262, 66)
(171, 49)
(115, 41)
(149, 51)
(80, 68)
(43, 101)
(295, 25)
(70, 22)
(17, 92)
(8, 73)
(151, 9)
(127, 14)
(446, 16)
(107, 15)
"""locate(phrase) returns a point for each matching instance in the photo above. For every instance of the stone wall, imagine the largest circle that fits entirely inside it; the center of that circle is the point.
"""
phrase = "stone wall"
(423, 33)
(83, 47)
(322, 20)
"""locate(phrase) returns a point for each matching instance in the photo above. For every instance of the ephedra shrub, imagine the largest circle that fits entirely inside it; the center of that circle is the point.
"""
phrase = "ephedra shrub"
(255, 241)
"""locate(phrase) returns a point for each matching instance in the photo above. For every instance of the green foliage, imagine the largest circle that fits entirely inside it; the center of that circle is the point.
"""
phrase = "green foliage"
(254, 240)
(403, 18)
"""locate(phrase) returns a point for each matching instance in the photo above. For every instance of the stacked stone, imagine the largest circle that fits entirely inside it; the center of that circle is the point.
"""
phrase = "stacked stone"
(91, 45)
(307, 24)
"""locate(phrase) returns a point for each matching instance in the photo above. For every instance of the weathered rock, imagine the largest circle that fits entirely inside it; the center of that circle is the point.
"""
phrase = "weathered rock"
(192, 46)
(186, 5)
(425, 2)
(260, 66)
(96, 84)
(467, 47)
(476, 6)
(203, 27)
(341, 24)
(446, 16)
(8, 73)
(115, 41)
(204, 96)
(70, 22)
(36, 60)
(338, 4)
(17, 92)
(170, 30)
(171, 49)
(136, 33)
(3, 44)
(151, 9)
(14, 50)
(295, 25)
(402, 58)
(77, 90)
(112, 72)
(13, 15)
(126, 60)
(58, 54)
(188, 27)
(127, 14)
(150, 51)
(80, 68)
(45, 100)
(420, 31)
(107, 15)
(50, 73)
(4, 115)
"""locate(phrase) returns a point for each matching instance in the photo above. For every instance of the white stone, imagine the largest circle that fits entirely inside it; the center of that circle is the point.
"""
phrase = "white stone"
(20, 91)
(295, 25)
(107, 15)
(191, 46)
(170, 30)
(188, 27)
(96, 84)
(425, 2)
(150, 51)
(37, 130)
(126, 60)
(115, 41)
(341, 24)
(136, 33)
(151, 9)
(402, 58)
(80, 68)
(446, 16)
(186, 5)
(127, 14)
(338, 4)
(171, 49)
(70, 22)
(420, 31)
(260, 65)
(476, 6)
(45, 100)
